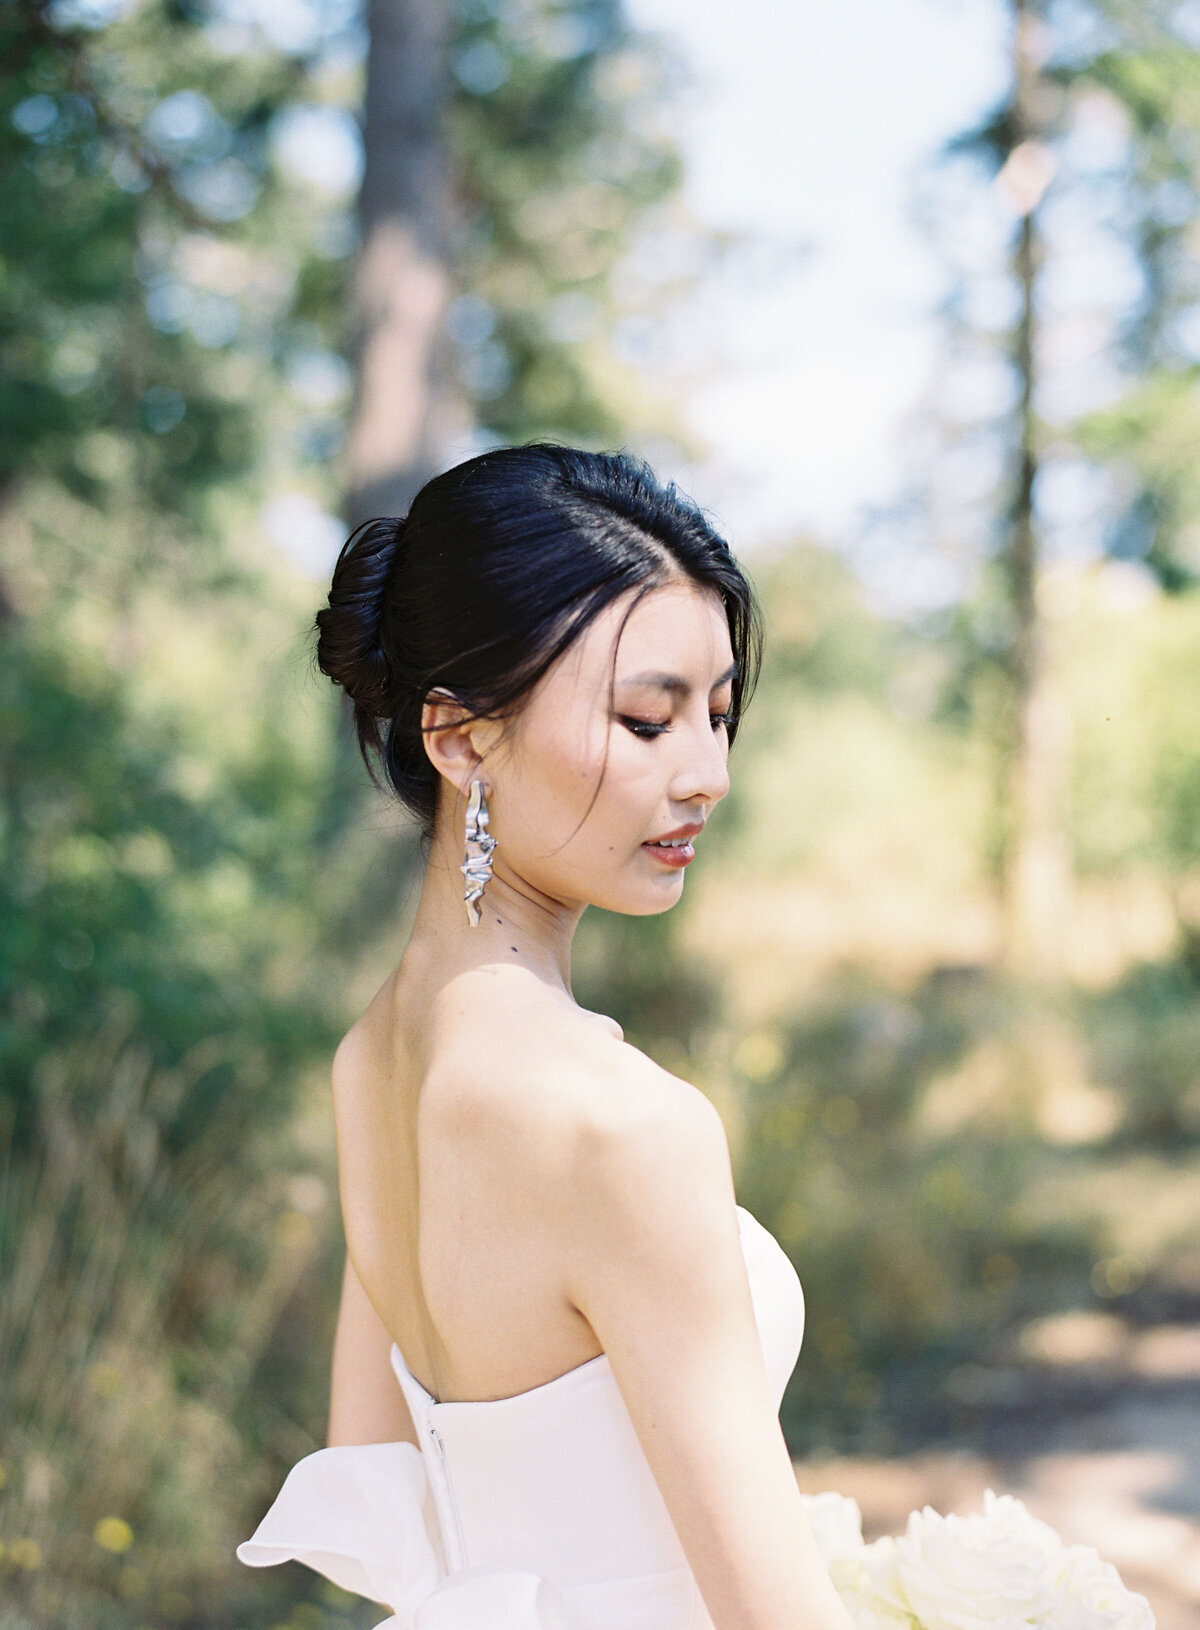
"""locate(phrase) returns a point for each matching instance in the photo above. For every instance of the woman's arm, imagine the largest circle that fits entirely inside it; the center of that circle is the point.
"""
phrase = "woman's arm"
(657, 1269)
(365, 1401)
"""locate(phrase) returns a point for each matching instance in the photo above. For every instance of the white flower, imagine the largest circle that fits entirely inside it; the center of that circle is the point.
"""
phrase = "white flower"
(999, 1570)
(994, 1571)
(868, 1584)
(1093, 1596)
(836, 1524)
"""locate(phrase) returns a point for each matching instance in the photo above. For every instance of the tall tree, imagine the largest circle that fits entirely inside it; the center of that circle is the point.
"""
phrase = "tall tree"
(1091, 151)
(1035, 860)
(515, 153)
(406, 397)
(1014, 148)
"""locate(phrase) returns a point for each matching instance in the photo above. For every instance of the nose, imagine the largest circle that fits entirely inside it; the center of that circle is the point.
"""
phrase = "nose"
(702, 773)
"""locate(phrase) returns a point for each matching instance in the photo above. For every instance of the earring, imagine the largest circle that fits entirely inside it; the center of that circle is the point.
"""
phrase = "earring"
(477, 863)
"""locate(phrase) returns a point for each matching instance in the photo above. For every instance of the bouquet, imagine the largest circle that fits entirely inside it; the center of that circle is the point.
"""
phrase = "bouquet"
(1001, 1569)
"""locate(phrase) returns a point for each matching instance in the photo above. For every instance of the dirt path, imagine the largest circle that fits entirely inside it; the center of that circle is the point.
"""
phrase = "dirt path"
(1113, 1462)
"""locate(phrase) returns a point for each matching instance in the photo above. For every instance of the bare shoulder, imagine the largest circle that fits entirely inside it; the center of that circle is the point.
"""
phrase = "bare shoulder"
(650, 1174)
(586, 1107)
(640, 1128)
(502, 1041)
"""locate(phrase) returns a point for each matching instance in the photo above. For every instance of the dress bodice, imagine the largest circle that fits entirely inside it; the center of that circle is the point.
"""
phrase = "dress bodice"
(534, 1512)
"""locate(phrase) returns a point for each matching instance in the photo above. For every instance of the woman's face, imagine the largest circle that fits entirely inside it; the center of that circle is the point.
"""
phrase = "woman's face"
(609, 758)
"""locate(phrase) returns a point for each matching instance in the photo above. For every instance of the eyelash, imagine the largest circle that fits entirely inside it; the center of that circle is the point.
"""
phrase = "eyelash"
(645, 730)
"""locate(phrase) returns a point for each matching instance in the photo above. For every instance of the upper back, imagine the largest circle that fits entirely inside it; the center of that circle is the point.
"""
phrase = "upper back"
(460, 1110)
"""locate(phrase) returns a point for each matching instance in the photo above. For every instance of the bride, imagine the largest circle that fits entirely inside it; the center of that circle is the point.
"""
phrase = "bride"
(561, 1345)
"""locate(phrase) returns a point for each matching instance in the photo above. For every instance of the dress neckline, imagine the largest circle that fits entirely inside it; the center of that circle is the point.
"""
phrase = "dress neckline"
(408, 1379)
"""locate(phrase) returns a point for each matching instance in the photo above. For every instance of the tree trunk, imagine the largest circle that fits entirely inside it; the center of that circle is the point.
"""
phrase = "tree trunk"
(405, 409)
(1037, 869)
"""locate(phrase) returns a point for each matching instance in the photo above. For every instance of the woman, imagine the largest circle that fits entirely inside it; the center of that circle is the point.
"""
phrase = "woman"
(561, 1346)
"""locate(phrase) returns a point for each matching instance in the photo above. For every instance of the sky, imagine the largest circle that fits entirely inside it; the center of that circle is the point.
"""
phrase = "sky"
(807, 122)
(803, 129)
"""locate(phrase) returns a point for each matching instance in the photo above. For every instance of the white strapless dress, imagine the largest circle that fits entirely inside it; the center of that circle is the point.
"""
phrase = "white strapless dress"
(535, 1512)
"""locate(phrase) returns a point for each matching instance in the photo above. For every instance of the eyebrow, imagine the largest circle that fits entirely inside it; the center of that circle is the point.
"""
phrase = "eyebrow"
(675, 684)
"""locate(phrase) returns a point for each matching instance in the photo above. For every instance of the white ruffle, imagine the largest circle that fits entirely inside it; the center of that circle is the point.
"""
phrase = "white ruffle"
(362, 1515)
(486, 1599)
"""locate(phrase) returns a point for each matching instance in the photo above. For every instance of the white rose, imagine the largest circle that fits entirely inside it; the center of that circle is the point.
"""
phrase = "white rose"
(1092, 1596)
(836, 1524)
(868, 1584)
(995, 1571)
(868, 1614)
(1000, 1570)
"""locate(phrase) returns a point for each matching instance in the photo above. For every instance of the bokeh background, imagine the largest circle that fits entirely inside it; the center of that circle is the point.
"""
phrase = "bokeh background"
(908, 293)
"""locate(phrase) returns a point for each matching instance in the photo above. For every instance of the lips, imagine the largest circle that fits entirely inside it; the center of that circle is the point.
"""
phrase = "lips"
(677, 832)
(675, 848)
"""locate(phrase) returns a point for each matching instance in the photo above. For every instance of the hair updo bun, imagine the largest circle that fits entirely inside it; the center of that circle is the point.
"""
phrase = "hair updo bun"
(499, 565)
(358, 651)
(348, 644)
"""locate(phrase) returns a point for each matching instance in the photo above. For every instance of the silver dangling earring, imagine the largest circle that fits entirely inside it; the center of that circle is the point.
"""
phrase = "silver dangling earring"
(477, 864)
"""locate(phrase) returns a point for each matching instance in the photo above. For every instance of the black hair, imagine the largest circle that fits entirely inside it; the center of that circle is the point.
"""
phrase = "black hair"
(499, 565)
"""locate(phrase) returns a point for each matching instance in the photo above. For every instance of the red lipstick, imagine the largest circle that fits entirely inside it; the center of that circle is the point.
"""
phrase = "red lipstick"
(674, 848)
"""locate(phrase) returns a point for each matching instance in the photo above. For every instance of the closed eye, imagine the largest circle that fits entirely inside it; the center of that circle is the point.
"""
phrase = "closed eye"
(647, 729)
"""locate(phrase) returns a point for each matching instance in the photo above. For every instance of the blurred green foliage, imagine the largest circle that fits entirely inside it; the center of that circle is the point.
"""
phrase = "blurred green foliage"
(159, 269)
(186, 842)
(194, 890)
(560, 142)
(163, 821)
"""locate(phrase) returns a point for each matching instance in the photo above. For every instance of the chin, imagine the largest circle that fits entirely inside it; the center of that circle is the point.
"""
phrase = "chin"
(655, 908)
(641, 901)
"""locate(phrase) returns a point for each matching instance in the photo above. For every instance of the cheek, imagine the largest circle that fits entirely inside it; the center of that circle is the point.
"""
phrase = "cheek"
(633, 765)
(633, 784)
(583, 784)
(557, 763)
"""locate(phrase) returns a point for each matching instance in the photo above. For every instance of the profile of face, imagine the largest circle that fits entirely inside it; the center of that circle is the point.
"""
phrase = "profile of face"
(621, 745)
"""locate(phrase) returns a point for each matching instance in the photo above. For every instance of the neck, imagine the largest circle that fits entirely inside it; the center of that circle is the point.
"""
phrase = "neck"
(517, 925)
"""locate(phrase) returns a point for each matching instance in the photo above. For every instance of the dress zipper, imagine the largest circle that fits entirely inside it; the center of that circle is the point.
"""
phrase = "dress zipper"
(459, 1558)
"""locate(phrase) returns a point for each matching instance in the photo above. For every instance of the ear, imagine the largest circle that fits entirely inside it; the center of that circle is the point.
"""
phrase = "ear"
(455, 743)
